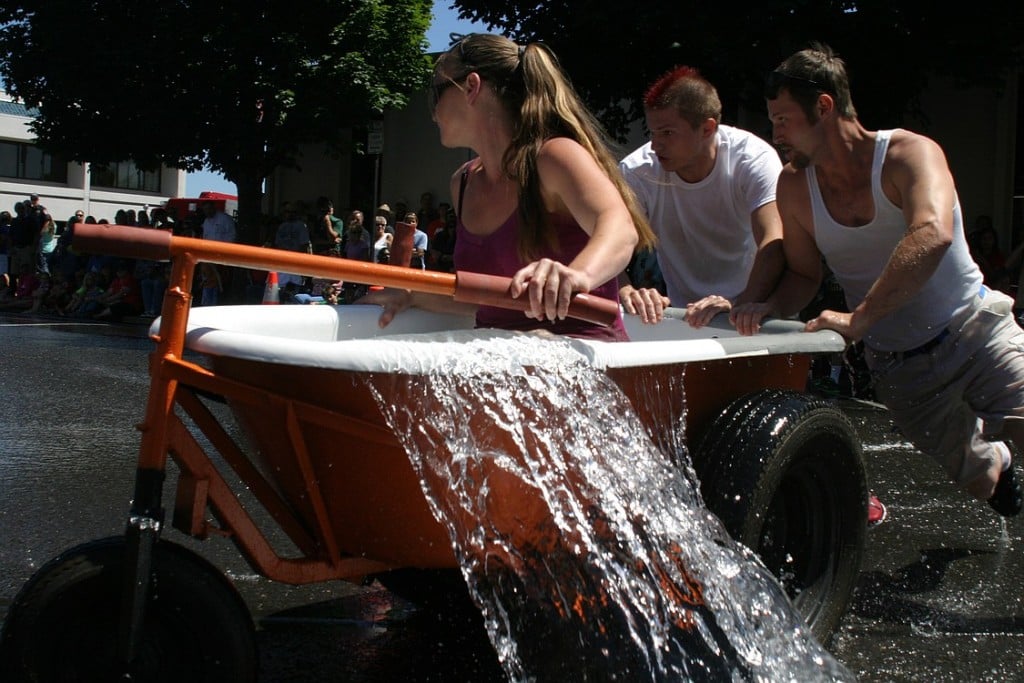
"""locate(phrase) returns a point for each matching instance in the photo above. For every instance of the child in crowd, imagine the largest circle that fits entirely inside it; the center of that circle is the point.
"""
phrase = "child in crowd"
(210, 285)
(86, 299)
(59, 296)
(123, 296)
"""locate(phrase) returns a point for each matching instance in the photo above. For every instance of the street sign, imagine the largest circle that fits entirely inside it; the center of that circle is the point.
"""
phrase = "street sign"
(375, 137)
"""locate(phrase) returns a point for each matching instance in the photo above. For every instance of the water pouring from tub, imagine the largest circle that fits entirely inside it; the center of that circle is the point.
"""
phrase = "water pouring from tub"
(617, 571)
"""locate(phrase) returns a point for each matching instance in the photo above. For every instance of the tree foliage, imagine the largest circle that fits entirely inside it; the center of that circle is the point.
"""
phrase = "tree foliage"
(614, 49)
(236, 86)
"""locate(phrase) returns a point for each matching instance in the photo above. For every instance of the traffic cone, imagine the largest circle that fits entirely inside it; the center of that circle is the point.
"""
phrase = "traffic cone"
(270, 292)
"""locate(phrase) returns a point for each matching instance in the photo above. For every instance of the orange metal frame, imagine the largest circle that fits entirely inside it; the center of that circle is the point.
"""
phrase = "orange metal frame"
(177, 383)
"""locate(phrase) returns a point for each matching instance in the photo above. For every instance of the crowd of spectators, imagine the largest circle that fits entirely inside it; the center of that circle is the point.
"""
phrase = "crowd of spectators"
(318, 229)
(42, 273)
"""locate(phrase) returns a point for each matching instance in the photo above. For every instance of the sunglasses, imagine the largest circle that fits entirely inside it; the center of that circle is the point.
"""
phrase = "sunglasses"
(440, 88)
(776, 80)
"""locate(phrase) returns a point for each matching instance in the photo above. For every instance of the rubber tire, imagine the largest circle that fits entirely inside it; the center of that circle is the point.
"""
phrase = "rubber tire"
(63, 624)
(784, 472)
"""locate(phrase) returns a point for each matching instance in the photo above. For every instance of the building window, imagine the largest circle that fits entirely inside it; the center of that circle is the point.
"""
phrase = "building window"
(124, 175)
(28, 162)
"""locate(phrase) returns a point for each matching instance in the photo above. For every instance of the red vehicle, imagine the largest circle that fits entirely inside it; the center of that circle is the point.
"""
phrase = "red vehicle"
(180, 207)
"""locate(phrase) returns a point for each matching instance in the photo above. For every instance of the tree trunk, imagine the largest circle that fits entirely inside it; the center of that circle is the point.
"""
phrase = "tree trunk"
(250, 209)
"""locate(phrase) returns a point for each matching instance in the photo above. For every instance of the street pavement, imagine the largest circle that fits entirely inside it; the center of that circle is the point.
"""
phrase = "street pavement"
(939, 596)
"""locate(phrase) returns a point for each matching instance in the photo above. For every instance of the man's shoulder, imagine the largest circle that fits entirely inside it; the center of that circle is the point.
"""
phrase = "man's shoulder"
(907, 145)
(747, 141)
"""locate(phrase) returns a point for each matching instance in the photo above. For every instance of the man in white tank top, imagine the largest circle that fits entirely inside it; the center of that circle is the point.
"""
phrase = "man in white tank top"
(709, 193)
(946, 355)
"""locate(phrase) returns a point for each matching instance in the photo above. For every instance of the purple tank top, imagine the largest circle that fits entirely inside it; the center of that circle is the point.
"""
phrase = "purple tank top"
(496, 254)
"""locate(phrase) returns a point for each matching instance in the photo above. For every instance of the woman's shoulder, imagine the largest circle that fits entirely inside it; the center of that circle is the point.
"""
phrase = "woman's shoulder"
(557, 147)
(561, 154)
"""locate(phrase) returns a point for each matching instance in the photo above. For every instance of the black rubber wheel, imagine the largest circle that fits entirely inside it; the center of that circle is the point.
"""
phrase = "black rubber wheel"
(63, 624)
(785, 473)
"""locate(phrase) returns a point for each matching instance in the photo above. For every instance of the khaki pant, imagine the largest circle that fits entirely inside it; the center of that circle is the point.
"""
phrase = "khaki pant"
(956, 397)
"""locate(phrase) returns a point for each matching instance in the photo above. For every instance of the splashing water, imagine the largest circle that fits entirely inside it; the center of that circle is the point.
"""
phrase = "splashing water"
(590, 555)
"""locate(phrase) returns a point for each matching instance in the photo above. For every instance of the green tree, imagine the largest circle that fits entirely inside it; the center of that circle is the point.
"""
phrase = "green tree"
(236, 86)
(613, 49)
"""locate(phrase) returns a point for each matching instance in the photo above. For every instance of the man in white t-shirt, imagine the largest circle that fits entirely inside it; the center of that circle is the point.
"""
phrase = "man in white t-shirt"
(217, 225)
(221, 227)
(709, 193)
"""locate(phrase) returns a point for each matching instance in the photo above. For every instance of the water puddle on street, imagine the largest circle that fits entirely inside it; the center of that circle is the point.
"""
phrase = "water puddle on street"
(589, 554)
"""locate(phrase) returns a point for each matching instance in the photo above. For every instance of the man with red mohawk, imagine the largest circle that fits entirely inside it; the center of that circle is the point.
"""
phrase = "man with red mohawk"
(709, 193)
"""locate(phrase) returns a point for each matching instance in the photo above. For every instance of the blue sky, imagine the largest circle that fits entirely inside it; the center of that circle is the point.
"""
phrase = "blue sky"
(446, 22)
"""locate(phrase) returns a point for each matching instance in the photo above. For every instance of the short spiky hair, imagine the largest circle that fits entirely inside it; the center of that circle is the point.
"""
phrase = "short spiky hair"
(690, 93)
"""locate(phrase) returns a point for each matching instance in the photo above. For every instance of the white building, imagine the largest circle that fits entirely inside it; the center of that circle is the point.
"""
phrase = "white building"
(64, 186)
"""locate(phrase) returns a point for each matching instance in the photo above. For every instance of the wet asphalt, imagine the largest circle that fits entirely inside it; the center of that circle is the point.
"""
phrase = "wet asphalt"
(939, 598)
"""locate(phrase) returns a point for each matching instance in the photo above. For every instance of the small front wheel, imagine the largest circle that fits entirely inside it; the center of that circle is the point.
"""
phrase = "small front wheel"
(63, 625)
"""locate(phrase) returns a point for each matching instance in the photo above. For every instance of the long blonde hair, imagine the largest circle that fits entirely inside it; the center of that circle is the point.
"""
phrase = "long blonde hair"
(542, 103)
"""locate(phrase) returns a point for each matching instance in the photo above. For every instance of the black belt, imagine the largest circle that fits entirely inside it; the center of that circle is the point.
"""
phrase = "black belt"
(934, 341)
(924, 348)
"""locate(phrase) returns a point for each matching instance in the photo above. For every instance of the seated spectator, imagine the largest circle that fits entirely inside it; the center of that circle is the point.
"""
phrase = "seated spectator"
(86, 300)
(122, 297)
(39, 294)
(332, 293)
(329, 290)
(58, 297)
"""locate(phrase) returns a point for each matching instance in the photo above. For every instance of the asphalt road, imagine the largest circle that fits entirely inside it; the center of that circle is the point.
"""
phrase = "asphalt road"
(939, 596)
